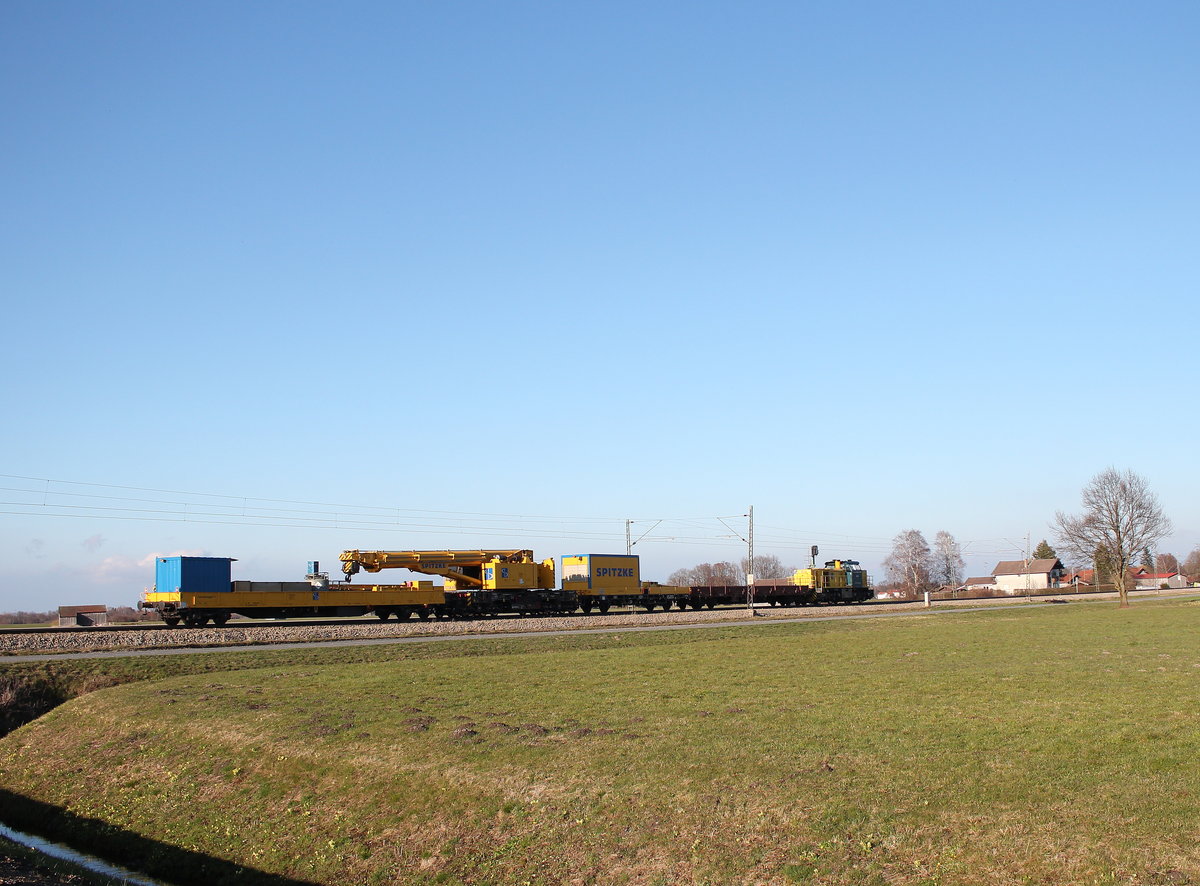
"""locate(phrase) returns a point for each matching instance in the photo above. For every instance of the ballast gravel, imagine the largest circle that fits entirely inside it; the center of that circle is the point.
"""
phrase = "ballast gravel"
(259, 633)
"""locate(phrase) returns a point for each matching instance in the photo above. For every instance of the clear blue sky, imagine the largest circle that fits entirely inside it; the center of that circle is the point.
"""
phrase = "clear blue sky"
(512, 273)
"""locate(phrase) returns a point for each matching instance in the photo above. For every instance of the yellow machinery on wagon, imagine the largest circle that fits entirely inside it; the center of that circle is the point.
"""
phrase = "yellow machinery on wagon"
(487, 570)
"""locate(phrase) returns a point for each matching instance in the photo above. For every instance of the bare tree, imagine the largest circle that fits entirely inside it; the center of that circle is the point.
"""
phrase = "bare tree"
(1191, 565)
(28, 618)
(680, 578)
(708, 574)
(1120, 518)
(909, 565)
(948, 562)
(767, 566)
(1165, 564)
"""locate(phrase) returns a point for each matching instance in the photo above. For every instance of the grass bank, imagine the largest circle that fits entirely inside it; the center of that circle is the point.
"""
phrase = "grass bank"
(1050, 745)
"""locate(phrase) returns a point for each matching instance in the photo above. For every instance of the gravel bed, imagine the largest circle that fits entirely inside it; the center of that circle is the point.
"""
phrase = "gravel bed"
(74, 640)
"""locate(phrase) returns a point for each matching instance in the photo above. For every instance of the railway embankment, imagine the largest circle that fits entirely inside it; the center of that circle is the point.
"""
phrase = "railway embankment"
(259, 633)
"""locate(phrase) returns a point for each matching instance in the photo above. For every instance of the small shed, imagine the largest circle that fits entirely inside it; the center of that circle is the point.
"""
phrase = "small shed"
(978, 583)
(82, 616)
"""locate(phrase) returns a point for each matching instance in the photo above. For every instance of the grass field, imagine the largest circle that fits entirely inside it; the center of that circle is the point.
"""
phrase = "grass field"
(1050, 745)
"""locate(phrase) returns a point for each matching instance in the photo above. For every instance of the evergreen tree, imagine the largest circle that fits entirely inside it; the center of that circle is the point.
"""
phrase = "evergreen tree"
(1044, 552)
(1102, 562)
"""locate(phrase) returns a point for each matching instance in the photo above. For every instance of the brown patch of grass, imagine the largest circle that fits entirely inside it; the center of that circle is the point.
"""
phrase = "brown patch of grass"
(419, 724)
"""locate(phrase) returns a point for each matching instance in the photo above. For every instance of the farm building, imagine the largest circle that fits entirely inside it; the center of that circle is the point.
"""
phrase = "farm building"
(82, 616)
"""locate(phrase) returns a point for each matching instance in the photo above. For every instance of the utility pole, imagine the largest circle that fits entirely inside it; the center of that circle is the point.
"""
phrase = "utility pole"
(628, 541)
(1028, 578)
(750, 564)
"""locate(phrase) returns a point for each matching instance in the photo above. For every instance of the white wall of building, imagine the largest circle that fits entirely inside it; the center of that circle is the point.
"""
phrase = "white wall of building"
(1016, 584)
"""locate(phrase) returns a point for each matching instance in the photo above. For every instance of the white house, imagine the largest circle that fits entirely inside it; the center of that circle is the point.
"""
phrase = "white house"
(1150, 581)
(978, 583)
(1019, 576)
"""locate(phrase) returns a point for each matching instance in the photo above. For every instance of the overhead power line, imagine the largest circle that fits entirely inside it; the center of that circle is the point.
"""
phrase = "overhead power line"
(90, 500)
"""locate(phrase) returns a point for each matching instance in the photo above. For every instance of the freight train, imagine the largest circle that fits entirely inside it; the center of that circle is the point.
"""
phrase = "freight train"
(199, 590)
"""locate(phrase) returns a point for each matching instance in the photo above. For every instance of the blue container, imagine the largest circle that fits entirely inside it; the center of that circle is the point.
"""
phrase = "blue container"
(194, 575)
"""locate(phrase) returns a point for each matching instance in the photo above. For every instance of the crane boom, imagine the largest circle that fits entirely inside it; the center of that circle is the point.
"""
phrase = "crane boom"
(465, 568)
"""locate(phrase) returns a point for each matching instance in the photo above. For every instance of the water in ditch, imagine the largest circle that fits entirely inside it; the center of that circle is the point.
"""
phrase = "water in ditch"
(65, 853)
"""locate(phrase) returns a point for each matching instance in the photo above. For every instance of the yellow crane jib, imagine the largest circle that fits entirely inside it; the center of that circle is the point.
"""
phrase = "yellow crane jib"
(486, 570)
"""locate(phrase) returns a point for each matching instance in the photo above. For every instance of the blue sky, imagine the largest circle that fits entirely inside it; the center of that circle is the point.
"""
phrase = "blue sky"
(514, 273)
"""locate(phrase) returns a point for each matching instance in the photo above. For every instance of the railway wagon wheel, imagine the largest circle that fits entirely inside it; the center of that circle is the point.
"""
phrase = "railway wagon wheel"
(383, 613)
(423, 614)
(171, 621)
(604, 607)
(220, 618)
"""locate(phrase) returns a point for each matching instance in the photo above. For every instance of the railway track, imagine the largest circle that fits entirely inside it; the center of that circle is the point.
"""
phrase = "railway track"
(247, 632)
(253, 624)
(160, 626)
(126, 638)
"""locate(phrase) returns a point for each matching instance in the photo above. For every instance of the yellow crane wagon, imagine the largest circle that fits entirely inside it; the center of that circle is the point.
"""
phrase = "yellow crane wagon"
(483, 581)
(513, 581)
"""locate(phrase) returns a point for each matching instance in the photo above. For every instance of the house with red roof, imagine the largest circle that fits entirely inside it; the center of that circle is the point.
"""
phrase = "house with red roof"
(1154, 580)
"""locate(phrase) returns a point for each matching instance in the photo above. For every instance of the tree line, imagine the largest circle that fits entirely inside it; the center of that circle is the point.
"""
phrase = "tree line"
(1119, 527)
(914, 567)
(115, 614)
(725, 573)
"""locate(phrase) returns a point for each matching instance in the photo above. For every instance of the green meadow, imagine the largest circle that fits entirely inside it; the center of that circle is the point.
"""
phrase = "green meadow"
(1048, 745)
